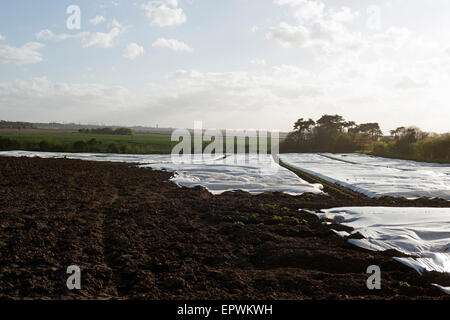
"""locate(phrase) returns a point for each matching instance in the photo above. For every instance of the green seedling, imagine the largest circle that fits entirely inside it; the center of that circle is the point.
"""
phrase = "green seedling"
(405, 284)
(303, 222)
(277, 218)
(294, 220)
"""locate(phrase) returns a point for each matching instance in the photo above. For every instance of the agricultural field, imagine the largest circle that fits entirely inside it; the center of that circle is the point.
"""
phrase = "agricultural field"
(371, 176)
(48, 140)
(139, 233)
(375, 176)
(255, 174)
(225, 159)
(420, 233)
(70, 141)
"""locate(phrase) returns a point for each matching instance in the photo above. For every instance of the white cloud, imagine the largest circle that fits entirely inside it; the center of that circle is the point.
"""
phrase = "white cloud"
(173, 3)
(132, 51)
(162, 15)
(26, 54)
(394, 75)
(88, 39)
(101, 39)
(362, 92)
(45, 35)
(48, 35)
(39, 99)
(329, 33)
(304, 9)
(307, 10)
(327, 36)
(97, 20)
(254, 29)
(393, 37)
(2, 37)
(318, 27)
(289, 36)
(116, 24)
(258, 62)
(172, 44)
(408, 83)
(344, 15)
(205, 95)
(201, 95)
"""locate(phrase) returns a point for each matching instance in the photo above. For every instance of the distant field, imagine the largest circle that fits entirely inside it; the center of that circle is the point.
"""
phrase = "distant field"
(72, 141)
(65, 140)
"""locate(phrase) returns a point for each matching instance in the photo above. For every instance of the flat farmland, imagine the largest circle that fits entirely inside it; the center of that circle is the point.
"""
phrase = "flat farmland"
(49, 140)
(136, 235)
(63, 140)
(375, 176)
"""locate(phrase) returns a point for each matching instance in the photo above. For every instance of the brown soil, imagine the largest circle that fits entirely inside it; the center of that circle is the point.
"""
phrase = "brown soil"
(137, 236)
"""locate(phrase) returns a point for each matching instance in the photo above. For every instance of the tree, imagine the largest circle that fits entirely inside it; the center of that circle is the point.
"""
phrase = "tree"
(350, 125)
(409, 134)
(370, 129)
(397, 132)
(331, 133)
(332, 123)
(124, 131)
(303, 127)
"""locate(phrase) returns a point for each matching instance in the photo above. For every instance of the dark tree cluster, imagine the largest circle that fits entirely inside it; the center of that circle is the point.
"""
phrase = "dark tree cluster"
(16, 125)
(111, 131)
(413, 143)
(330, 133)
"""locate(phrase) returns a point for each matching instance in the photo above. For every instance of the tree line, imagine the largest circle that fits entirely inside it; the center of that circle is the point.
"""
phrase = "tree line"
(16, 125)
(412, 143)
(332, 133)
(86, 145)
(111, 131)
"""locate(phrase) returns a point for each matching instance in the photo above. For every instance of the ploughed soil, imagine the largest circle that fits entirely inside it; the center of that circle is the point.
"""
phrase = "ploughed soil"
(135, 235)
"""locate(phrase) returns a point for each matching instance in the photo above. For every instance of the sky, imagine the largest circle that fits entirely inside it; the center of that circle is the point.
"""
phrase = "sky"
(237, 64)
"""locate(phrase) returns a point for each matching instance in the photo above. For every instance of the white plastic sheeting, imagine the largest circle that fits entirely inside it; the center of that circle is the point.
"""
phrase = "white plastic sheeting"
(111, 157)
(253, 173)
(374, 176)
(443, 289)
(420, 232)
(256, 174)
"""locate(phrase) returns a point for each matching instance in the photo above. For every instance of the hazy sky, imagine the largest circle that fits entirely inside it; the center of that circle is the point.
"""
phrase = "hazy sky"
(228, 63)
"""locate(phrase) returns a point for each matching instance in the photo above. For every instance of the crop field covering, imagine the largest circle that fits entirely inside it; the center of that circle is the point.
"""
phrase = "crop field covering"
(421, 233)
(255, 174)
(374, 176)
